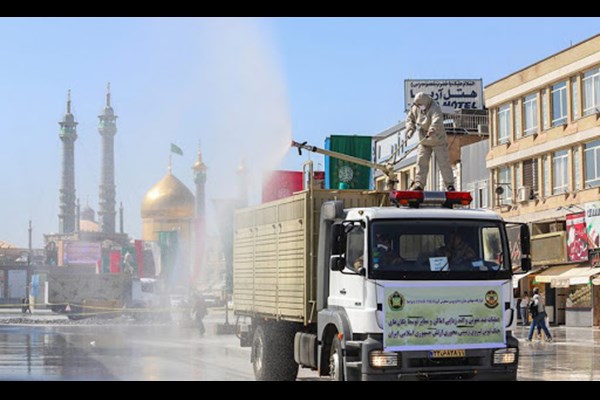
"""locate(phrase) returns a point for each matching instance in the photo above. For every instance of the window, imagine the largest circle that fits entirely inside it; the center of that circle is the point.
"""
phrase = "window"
(591, 155)
(517, 109)
(503, 123)
(530, 175)
(576, 168)
(504, 182)
(580, 296)
(492, 245)
(591, 91)
(479, 192)
(560, 175)
(355, 247)
(470, 187)
(546, 173)
(405, 176)
(530, 114)
(544, 110)
(442, 249)
(482, 200)
(518, 176)
(559, 103)
(575, 98)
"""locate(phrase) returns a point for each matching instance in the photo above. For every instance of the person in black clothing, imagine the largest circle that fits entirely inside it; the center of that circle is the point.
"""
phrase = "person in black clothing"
(199, 311)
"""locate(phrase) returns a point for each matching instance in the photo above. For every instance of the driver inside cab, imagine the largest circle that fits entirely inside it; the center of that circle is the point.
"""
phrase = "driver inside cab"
(456, 250)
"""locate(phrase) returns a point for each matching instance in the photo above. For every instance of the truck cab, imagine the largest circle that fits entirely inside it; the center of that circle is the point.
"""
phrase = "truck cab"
(418, 292)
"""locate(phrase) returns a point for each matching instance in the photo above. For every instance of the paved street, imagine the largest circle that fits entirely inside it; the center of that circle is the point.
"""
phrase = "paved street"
(52, 349)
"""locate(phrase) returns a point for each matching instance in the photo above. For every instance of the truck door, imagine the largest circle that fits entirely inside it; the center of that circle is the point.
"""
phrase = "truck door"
(346, 288)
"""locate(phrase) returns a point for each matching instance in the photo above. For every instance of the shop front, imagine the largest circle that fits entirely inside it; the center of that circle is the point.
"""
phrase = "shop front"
(575, 287)
(554, 297)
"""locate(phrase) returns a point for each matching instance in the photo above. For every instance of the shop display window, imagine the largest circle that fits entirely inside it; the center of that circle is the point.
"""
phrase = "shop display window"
(580, 296)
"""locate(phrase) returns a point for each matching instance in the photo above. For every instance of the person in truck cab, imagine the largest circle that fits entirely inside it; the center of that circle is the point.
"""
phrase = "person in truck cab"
(456, 250)
(383, 254)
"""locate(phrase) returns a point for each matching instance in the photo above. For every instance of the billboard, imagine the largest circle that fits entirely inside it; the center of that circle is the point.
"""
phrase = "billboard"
(81, 252)
(435, 317)
(577, 241)
(592, 222)
(465, 94)
(280, 184)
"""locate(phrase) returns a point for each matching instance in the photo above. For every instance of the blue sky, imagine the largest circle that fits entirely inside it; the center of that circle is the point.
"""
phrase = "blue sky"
(239, 87)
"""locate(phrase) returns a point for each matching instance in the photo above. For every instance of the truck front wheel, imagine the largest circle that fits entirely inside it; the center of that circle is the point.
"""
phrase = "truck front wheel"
(336, 360)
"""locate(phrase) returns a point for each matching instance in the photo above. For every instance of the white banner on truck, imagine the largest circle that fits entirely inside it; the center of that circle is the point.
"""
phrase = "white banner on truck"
(469, 315)
(466, 94)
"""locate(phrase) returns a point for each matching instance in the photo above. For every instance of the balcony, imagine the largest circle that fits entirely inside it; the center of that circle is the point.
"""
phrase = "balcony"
(467, 122)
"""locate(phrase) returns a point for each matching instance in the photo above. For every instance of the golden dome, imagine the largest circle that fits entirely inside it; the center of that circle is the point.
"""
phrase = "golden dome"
(169, 198)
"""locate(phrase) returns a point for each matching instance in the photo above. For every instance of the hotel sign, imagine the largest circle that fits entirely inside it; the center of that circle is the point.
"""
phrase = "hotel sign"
(465, 94)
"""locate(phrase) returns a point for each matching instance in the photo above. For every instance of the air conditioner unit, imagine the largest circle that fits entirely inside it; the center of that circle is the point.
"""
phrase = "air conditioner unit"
(524, 193)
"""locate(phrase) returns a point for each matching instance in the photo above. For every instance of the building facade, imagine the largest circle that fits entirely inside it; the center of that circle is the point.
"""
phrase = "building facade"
(474, 176)
(544, 164)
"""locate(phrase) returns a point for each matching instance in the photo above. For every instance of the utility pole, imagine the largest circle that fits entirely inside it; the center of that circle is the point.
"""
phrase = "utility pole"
(28, 275)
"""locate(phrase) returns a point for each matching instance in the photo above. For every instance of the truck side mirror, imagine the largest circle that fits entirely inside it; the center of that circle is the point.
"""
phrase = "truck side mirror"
(526, 264)
(337, 262)
(525, 248)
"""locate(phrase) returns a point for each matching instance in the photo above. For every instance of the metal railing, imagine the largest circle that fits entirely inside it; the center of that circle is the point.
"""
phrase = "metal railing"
(468, 122)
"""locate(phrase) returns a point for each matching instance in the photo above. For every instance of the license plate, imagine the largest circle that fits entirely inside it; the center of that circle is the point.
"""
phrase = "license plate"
(447, 353)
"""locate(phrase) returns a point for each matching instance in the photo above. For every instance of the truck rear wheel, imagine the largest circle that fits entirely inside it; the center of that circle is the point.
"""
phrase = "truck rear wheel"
(336, 360)
(273, 355)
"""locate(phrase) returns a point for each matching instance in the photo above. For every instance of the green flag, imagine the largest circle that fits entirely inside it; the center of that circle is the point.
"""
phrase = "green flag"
(341, 174)
(176, 149)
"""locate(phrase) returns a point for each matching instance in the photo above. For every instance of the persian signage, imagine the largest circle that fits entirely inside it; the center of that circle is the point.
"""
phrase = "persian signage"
(434, 317)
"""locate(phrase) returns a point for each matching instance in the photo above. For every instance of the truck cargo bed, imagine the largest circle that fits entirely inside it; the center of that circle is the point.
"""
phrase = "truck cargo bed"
(275, 253)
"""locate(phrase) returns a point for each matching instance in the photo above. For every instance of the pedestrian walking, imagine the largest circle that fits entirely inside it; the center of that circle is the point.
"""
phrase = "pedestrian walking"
(538, 308)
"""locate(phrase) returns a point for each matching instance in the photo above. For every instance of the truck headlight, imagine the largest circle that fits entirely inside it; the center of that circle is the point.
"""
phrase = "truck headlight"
(505, 356)
(382, 359)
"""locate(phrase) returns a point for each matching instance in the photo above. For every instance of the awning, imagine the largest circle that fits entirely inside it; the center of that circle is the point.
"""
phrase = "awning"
(576, 276)
(517, 277)
(547, 275)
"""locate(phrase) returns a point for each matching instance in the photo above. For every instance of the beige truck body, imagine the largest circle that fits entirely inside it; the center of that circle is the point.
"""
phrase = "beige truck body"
(275, 253)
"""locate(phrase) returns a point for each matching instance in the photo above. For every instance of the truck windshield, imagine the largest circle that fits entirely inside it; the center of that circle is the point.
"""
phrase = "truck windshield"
(422, 249)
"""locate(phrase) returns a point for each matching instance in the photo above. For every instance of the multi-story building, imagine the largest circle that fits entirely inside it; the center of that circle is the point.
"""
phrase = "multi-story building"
(544, 163)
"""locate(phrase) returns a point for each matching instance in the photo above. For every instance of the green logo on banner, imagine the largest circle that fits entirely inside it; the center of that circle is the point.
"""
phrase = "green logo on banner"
(491, 299)
(396, 301)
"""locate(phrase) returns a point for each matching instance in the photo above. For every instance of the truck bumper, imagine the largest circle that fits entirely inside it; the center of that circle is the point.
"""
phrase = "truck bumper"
(417, 365)
(474, 375)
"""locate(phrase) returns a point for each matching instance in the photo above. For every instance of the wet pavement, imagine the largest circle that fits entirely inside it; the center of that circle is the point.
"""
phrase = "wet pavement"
(573, 355)
(55, 348)
(47, 346)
